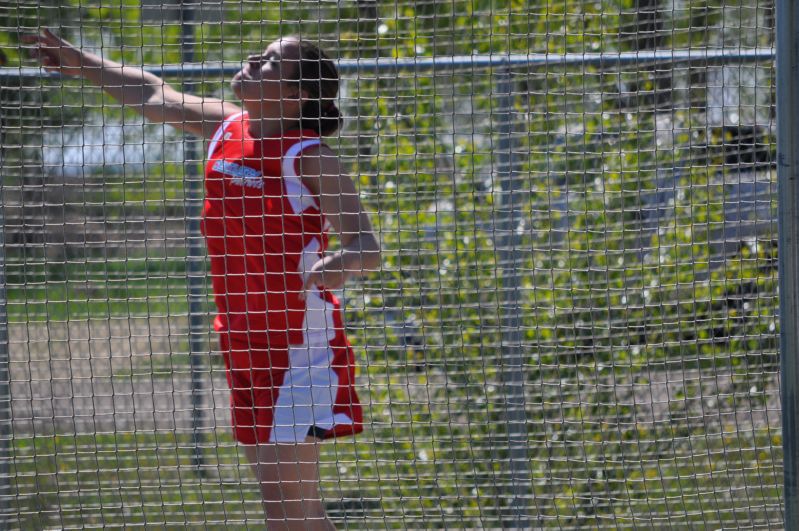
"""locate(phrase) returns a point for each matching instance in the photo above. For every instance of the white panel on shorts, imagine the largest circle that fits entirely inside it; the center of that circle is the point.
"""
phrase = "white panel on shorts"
(318, 325)
(299, 196)
(307, 395)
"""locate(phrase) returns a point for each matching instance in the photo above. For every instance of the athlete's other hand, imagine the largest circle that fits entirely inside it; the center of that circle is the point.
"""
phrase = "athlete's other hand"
(324, 273)
(55, 54)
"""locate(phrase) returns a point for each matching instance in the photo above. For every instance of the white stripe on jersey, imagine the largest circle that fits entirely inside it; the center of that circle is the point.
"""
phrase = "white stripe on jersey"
(219, 132)
(300, 197)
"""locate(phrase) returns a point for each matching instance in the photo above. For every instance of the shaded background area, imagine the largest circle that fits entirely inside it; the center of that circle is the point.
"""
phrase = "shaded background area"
(630, 274)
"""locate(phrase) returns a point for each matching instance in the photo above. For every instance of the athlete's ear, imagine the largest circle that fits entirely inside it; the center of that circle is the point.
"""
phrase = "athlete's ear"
(294, 92)
(303, 95)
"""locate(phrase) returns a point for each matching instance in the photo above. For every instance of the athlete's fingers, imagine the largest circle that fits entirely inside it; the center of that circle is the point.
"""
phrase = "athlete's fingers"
(33, 45)
(310, 281)
(47, 60)
(36, 47)
(51, 39)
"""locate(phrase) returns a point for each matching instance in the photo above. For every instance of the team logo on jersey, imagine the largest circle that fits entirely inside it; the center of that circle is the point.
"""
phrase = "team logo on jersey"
(242, 175)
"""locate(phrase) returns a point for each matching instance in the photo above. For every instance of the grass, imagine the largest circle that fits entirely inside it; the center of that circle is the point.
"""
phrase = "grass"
(98, 289)
(435, 452)
(109, 480)
(423, 463)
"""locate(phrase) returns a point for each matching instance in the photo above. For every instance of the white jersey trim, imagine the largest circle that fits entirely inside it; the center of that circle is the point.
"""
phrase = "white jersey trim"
(221, 131)
(299, 196)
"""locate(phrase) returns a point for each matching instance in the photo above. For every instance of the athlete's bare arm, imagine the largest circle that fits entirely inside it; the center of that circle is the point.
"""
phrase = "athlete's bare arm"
(341, 205)
(133, 87)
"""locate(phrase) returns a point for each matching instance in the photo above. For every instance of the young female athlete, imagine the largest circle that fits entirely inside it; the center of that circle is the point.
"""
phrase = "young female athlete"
(272, 190)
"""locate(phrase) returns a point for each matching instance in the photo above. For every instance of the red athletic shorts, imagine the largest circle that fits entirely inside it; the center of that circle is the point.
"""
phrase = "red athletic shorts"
(285, 394)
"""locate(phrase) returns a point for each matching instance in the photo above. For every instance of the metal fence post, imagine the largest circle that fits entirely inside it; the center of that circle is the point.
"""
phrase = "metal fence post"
(509, 251)
(6, 444)
(788, 228)
(195, 259)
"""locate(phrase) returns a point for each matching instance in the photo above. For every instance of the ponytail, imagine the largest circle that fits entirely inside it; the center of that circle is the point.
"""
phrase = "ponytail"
(318, 76)
(321, 116)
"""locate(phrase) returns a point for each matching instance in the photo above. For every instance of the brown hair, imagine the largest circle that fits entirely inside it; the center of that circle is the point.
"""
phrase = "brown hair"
(317, 74)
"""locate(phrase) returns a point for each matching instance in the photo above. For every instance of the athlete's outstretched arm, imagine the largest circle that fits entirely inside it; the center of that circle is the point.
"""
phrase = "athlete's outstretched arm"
(132, 87)
(341, 205)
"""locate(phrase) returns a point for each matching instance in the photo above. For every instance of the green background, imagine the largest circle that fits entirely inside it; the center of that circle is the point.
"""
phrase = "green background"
(644, 277)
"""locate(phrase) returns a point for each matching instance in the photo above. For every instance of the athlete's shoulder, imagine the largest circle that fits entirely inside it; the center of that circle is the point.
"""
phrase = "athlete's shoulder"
(233, 127)
(297, 142)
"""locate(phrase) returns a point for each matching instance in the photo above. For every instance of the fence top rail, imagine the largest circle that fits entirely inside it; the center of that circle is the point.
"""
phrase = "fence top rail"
(446, 63)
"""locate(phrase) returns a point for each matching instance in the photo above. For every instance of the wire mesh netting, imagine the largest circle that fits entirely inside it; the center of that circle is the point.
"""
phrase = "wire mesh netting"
(575, 321)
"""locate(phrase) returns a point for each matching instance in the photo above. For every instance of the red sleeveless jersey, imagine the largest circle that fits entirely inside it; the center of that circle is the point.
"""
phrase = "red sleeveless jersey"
(263, 230)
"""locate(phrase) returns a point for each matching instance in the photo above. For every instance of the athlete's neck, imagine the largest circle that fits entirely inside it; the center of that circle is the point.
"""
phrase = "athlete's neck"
(271, 128)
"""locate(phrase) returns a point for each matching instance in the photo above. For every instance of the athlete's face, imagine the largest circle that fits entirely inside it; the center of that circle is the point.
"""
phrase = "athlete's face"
(267, 82)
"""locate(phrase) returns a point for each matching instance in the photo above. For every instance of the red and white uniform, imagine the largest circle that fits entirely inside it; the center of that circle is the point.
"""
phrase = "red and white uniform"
(290, 366)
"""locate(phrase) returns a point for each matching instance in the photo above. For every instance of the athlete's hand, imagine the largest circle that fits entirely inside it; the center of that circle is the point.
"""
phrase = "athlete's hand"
(326, 273)
(55, 54)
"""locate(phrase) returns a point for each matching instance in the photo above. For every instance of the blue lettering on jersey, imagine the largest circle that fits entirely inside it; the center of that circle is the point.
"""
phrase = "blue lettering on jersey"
(242, 175)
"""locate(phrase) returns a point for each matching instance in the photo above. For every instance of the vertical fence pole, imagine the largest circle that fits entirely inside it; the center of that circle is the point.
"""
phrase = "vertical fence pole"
(6, 445)
(195, 266)
(508, 239)
(788, 204)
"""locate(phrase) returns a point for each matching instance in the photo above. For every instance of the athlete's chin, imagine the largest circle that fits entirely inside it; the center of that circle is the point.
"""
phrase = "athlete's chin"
(235, 84)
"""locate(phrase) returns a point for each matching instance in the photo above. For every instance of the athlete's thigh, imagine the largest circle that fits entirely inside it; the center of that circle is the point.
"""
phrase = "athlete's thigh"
(289, 472)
